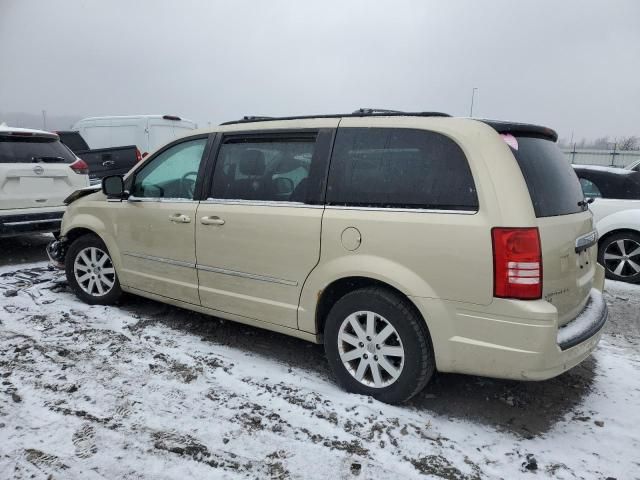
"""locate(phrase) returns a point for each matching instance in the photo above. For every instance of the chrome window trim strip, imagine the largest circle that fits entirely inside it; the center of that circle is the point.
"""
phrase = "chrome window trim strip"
(160, 200)
(412, 210)
(253, 276)
(259, 203)
(170, 261)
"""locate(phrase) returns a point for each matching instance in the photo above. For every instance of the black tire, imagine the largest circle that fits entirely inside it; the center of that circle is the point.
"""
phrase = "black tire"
(630, 241)
(111, 296)
(419, 363)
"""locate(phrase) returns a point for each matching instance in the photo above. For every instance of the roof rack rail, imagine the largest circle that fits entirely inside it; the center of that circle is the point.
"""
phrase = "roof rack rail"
(361, 112)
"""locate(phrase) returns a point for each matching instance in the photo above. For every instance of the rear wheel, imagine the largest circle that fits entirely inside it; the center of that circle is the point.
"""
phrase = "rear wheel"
(90, 271)
(378, 345)
(620, 256)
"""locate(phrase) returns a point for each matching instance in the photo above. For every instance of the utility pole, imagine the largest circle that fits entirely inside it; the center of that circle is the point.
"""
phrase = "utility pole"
(473, 95)
(44, 119)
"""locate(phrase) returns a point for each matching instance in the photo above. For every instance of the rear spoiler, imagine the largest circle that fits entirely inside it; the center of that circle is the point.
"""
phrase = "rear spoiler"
(523, 129)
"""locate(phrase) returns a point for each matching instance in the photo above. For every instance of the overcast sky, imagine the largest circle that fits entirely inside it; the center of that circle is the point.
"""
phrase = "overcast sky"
(571, 65)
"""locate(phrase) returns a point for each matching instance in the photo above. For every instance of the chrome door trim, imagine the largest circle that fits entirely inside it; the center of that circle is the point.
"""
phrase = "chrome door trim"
(252, 276)
(410, 210)
(134, 199)
(170, 261)
(258, 203)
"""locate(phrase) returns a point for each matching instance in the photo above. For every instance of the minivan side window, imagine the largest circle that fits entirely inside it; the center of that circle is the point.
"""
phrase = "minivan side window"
(264, 169)
(399, 168)
(171, 174)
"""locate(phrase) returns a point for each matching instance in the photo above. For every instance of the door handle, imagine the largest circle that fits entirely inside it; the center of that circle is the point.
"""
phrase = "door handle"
(211, 221)
(179, 218)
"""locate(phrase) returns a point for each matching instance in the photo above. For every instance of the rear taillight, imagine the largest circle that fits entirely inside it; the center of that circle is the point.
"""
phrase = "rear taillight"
(80, 167)
(517, 263)
(138, 155)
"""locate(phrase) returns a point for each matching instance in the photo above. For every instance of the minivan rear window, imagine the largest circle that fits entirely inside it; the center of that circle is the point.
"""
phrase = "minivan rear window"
(399, 168)
(15, 149)
(553, 185)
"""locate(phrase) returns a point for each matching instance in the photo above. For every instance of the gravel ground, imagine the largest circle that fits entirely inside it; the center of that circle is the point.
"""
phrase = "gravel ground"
(145, 390)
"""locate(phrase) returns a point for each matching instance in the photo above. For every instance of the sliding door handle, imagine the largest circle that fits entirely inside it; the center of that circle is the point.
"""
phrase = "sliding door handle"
(211, 221)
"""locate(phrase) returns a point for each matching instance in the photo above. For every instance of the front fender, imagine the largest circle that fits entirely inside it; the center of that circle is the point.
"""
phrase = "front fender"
(75, 218)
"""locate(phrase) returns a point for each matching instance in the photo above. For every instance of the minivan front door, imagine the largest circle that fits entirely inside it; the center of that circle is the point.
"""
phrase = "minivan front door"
(258, 235)
(156, 226)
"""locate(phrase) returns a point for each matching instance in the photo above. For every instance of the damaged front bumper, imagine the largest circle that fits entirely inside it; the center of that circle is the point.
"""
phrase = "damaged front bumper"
(57, 251)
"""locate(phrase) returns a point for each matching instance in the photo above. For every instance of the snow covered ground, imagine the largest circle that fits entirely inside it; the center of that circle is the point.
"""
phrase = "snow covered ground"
(145, 390)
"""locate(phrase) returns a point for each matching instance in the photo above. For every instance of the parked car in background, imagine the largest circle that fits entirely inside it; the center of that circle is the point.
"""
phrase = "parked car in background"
(616, 211)
(422, 265)
(635, 166)
(147, 132)
(37, 173)
(102, 162)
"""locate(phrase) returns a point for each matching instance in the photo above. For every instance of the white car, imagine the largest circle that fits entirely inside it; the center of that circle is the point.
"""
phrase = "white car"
(37, 173)
(616, 211)
(147, 132)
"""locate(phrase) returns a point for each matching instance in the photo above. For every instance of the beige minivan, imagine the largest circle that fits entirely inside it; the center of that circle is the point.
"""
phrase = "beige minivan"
(406, 242)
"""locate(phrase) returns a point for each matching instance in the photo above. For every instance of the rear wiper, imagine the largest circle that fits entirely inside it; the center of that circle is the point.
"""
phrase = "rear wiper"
(48, 159)
(586, 202)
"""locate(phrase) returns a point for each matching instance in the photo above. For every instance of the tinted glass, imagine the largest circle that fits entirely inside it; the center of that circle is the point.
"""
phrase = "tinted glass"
(590, 189)
(172, 174)
(399, 168)
(33, 150)
(269, 170)
(74, 141)
(553, 185)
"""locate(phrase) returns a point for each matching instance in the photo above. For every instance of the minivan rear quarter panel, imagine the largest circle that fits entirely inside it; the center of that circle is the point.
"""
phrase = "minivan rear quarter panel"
(443, 255)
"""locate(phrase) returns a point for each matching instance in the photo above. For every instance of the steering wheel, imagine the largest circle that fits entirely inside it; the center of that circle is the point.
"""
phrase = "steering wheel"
(188, 185)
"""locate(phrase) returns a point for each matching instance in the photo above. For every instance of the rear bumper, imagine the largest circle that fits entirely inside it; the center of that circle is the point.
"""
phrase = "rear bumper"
(513, 339)
(31, 221)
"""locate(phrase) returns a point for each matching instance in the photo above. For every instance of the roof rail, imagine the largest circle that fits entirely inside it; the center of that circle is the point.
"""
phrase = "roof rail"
(361, 112)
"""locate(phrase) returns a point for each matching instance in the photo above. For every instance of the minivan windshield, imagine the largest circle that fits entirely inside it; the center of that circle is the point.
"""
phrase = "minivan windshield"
(33, 150)
(553, 185)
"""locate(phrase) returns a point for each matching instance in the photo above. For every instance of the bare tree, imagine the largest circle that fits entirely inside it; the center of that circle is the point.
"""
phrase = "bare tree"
(629, 143)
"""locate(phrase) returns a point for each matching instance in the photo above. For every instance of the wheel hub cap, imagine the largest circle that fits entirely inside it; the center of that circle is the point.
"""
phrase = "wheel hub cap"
(94, 271)
(370, 349)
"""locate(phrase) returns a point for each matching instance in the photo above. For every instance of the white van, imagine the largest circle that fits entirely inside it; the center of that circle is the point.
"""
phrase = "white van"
(147, 132)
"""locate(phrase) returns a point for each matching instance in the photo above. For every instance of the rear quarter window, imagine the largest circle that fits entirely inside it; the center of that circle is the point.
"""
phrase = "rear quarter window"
(33, 150)
(399, 168)
(553, 185)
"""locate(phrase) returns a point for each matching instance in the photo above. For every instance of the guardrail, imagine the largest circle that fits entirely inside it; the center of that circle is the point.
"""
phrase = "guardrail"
(611, 158)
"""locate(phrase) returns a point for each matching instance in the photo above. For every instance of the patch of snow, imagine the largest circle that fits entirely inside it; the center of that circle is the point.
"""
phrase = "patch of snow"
(619, 171)
(92, 392)
(584, 322)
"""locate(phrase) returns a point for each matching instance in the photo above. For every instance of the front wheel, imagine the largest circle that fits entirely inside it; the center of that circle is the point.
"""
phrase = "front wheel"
(378, 345)
(620, 256)
(90, 271)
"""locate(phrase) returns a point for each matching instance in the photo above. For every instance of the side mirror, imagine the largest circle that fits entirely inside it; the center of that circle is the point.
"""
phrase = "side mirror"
(113, 187)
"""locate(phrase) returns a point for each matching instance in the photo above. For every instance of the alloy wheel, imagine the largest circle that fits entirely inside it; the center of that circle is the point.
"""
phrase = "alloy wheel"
(94, 271)
(622, 257)
(370, 349)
